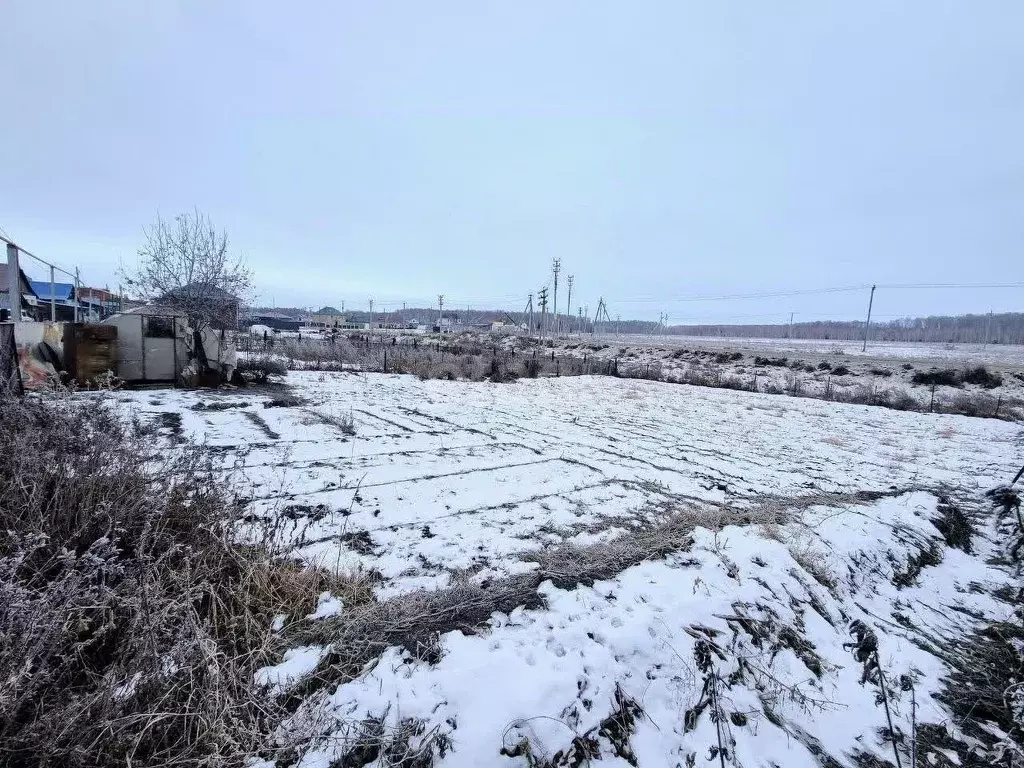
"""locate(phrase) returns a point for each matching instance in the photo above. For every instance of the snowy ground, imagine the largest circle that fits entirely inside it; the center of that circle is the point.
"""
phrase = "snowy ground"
(820, 369)
(998, 354)
(445, 482)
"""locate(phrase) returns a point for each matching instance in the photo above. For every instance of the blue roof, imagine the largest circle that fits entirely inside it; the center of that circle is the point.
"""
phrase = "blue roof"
(61, 291)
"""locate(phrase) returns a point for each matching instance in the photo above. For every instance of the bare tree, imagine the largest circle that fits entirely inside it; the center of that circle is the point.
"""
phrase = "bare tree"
(186, 264)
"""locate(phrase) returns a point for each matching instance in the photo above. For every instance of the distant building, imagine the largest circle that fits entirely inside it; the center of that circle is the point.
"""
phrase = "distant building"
(447, 324)
(100, 298)
(326, 317)
(65, 300)
(278, 321)
(29, 304)
(221, 306)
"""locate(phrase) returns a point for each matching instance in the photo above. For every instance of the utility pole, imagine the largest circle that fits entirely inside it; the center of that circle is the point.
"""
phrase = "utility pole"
(790, 325)
(371, 314)
(543, 296)
(77, 283)
(597, 313)
(568, 306)
(867, 325)
(579, 323)
(440, 310)
(988, 329)
(14, 283)
(556, 267)
(53, 303)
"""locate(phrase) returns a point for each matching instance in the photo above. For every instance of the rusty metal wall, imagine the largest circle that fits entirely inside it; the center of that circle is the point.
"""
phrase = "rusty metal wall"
(90, 351)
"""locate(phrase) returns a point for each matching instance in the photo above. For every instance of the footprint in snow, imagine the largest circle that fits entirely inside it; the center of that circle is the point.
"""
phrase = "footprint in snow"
(555, 647)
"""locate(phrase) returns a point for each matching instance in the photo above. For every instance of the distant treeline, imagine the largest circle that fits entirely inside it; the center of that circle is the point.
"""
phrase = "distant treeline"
(1004, 328)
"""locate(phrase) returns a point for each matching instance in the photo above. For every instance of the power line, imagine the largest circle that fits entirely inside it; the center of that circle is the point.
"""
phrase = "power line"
(813, 291)
(762, 295)
(892, 286)
(37, 258)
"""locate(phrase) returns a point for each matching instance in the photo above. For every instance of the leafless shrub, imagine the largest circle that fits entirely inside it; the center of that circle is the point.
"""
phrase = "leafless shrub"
(901, 400)
(339, 351)
(260, 369)
(971, 404)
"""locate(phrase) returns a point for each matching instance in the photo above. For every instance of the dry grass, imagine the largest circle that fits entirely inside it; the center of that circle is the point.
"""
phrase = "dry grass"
(130, 623)
(415, 621)
(343, 422)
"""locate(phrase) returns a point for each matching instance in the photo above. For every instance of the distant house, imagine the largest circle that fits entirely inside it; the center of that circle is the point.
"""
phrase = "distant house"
(278, 321)
(101, 299)
(216, 303)
(65, 300)
(448, 324)
(29, 300)
(326, 317)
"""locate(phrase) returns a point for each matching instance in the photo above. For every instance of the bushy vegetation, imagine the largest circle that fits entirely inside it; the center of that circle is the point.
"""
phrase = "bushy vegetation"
(779, 362)
(982, 377)
(470, 360)
(259, 370)
(434, 360)
(945, 377)
(950, 377)
(131, 624)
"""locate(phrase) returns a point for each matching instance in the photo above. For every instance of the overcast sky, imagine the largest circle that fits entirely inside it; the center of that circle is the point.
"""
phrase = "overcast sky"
(660, 149)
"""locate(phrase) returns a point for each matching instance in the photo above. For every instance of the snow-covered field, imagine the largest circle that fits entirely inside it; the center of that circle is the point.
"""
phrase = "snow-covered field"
(736, 639)
(999, 354)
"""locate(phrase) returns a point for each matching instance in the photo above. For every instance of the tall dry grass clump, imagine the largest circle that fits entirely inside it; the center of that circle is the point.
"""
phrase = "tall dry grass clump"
(130, 624)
